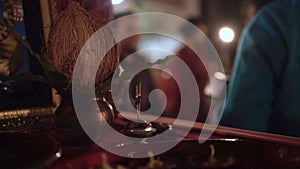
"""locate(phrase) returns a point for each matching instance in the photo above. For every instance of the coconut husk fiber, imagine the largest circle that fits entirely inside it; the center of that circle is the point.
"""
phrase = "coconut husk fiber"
(69, 32)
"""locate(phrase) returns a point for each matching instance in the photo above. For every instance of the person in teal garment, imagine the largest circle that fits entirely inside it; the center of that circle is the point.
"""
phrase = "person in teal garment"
(264, 92)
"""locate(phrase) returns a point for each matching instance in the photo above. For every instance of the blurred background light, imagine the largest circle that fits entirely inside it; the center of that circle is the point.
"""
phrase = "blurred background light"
(116, 2)
(226, 34)
(220, 76)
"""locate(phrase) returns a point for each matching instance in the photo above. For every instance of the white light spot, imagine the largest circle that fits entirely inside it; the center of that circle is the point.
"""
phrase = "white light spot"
(58, 154)
(116, 2)
(220, 76)
(226, 34)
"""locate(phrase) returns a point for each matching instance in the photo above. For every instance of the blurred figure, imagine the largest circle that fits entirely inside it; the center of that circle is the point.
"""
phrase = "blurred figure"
(249, 8)
(169, 85)
(264, 93)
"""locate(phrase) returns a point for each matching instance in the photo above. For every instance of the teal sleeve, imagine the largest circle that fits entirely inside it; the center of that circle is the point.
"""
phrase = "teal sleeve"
(256, 76)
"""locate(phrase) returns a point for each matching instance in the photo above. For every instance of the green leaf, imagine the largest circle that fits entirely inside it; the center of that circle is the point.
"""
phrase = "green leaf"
(31, 77)
(15, 60)
(53, 77)
(58, 80)
(45, 63)
(104, 86)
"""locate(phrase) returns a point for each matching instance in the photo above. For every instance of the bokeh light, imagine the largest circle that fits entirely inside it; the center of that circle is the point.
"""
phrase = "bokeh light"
(226, 34)
(116, 2)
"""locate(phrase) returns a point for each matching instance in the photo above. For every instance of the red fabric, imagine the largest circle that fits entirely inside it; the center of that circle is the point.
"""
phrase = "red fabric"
(171, 89)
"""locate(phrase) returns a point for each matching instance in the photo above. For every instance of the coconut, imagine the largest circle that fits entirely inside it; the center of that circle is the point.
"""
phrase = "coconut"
(69, 33)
